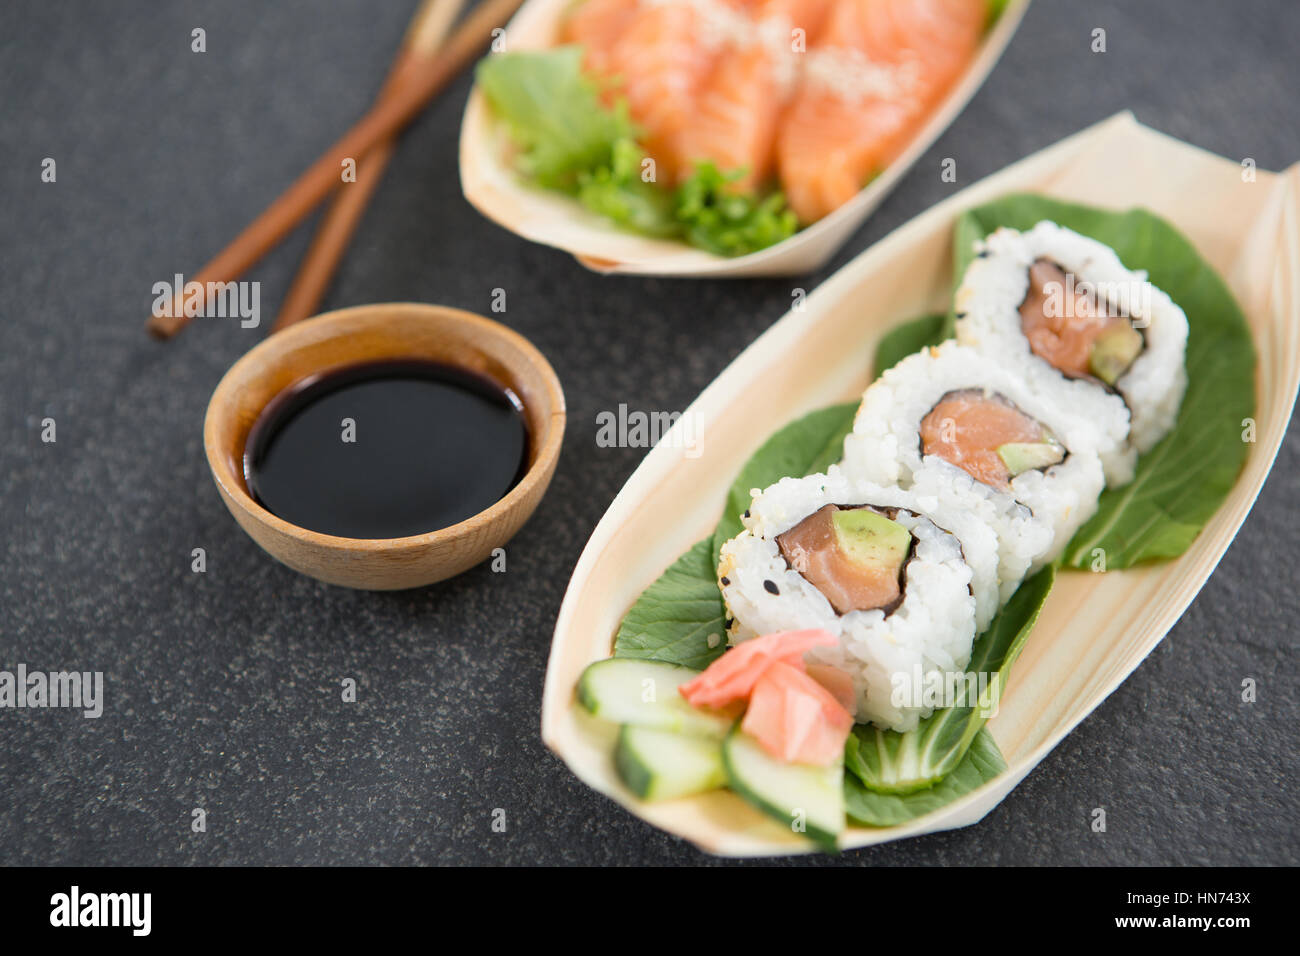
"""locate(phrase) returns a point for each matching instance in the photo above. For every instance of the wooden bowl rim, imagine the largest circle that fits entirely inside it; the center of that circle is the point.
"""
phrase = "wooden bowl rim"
(317, 327)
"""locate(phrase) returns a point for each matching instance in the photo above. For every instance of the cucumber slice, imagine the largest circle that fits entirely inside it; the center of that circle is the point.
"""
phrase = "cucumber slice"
(809, 800)
(663, 764)
(628, 691)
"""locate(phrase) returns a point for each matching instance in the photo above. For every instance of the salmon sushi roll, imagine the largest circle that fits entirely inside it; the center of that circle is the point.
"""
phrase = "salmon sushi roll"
(950, 424)
(903, 585)
(1062, 311)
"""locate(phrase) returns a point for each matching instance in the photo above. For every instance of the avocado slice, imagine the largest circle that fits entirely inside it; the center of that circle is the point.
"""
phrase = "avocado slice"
(870, 539)
(1114, 351)
(1022, 456)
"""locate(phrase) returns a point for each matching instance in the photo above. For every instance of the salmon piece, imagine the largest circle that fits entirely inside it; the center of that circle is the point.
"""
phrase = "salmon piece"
(876, 70)
(827, 149)
(731, 678)
(1063, 323)
(734, 124)
(795, 719)
(596, 26)
(739, 102)
(808, 15)
(967, 427)
(811, 547)
(662, 60)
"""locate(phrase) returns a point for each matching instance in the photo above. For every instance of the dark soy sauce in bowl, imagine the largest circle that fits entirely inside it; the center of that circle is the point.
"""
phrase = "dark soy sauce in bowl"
(386, 449)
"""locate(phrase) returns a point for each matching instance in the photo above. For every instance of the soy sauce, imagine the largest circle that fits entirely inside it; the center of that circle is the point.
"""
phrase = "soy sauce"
(386, 449)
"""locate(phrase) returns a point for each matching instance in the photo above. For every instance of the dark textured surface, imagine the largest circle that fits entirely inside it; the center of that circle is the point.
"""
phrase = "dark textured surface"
(223, 688)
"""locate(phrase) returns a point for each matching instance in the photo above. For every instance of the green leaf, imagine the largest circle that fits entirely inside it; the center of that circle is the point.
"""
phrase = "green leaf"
(900, 342)
(982, 763)
(554, 114)
(1182, 481)
(728, 222)
(569, 139)
(995, 9)
(618, 193)
(886, 761)
(804, 447)
(675, 617)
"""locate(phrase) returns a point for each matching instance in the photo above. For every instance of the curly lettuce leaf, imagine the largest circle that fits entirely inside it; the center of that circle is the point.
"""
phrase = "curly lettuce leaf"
(554, 113)
(618, 193)
(568, 138)
(723, 220)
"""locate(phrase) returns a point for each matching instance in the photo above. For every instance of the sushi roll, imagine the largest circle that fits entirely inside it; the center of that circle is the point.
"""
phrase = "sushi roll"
(903, 584)
(953, 426)
(1086, 333)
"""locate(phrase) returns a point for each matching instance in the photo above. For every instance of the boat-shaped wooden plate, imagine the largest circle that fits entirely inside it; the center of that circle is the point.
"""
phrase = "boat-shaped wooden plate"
(1250, 233)
(547, 217)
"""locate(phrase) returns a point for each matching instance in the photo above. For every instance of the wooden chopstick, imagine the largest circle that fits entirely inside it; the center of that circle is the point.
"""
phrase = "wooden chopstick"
(429, 28)
(415, 81)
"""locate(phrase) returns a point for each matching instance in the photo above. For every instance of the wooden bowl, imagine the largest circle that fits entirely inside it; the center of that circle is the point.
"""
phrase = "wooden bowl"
(366, 333)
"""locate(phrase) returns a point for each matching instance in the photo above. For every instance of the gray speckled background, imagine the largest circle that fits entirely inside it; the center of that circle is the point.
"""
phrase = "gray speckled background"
(222, 688)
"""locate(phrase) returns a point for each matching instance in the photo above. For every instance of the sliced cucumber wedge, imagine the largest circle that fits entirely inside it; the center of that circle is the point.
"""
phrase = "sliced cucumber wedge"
(644, 693)
(809, 800)
(664, 764)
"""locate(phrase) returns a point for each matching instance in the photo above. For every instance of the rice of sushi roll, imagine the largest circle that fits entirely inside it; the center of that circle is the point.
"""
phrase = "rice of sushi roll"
(903, 583)
(953, 426)
(1061, 310)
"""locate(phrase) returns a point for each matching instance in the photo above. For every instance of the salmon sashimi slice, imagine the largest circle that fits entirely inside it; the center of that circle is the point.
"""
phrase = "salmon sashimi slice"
(968, 427)
(806, 16)
(829, 147)
(734, 124)
(740, 101)
(938, 35)
(795, 719)
(662, 59)
(731, 678)
(823, 93)
(876, 69)
(596, 25)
